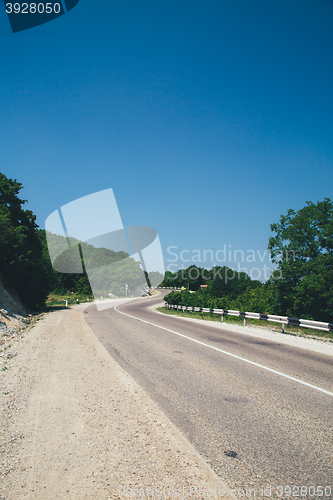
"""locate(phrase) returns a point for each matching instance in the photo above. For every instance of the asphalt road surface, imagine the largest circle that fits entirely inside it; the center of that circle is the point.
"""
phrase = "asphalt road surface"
(256, 428)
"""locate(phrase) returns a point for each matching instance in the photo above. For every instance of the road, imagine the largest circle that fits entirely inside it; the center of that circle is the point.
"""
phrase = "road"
(255, 427)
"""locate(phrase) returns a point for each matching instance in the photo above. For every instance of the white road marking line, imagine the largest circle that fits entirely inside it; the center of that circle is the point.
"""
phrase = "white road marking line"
(232, 355)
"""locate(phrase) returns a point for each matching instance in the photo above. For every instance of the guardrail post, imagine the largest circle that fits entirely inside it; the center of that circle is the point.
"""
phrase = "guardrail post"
(242, 314)
(201, 313)
(283, 328)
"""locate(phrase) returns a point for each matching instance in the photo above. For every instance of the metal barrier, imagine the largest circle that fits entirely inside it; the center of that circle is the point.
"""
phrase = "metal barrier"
(177, 289)
(284, 320)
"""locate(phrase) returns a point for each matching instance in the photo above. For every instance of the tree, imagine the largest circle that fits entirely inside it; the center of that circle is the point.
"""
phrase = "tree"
(191, 277)
(303, 250)
(84, 269)
(113, 278)
(229, 283)
(62, 283)
(21, 263)
(155, 278)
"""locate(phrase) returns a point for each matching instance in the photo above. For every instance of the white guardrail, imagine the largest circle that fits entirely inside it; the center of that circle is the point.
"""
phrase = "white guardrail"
(174, 289)
(284, 320)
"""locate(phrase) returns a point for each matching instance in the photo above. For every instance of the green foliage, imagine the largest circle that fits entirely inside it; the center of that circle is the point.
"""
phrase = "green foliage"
(191, 277)
(303, 251)
(229, 283)
(147, 279)
(58, 301)
(105, 278)
(155, 278)
(254, 299)
(124, 272)
(300, 286)
(61, 283)
(21, 264)
(226, 289)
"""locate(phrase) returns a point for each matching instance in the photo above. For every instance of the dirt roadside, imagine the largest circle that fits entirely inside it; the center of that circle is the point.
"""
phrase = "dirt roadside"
(73, 424)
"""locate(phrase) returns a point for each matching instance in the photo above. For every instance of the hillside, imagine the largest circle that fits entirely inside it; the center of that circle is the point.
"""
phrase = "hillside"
(13, 316)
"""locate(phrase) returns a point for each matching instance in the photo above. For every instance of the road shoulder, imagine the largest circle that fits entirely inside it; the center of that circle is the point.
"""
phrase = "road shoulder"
(74, 424)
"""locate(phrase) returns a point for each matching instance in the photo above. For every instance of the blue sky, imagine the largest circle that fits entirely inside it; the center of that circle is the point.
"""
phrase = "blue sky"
(209, 119)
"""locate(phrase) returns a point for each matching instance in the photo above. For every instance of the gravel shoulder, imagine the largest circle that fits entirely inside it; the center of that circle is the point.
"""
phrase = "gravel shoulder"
(74, 424)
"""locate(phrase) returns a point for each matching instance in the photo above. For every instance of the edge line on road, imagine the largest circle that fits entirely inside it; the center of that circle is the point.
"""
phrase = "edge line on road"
(232, 355)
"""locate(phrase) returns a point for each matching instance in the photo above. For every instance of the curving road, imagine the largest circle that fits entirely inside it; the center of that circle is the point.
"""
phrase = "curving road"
(257, 428)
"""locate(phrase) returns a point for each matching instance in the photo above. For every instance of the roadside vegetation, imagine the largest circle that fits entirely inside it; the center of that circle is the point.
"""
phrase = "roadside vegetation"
(58, 301)
(301, 286)
(238, 321)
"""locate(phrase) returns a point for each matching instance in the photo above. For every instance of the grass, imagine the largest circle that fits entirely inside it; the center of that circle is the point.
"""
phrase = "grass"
(57, 301)
(236, 320)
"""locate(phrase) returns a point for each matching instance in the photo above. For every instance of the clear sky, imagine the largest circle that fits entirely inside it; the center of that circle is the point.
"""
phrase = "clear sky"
(208, 118)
